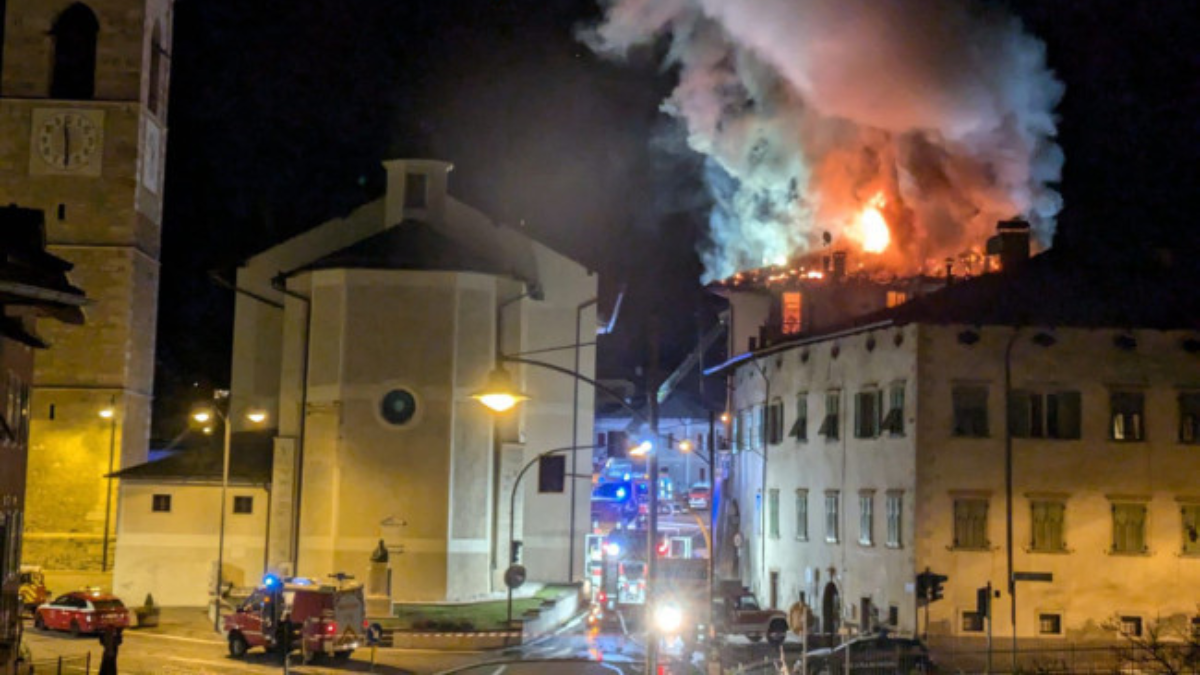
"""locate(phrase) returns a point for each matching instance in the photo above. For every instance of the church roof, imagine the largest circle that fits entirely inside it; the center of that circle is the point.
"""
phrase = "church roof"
(416, 245)
(250, 459)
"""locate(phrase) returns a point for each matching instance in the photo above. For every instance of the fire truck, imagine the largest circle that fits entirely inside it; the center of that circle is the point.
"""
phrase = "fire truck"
(282, 615)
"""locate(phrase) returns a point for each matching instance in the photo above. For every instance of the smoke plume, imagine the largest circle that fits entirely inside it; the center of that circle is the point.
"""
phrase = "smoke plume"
(806, 110)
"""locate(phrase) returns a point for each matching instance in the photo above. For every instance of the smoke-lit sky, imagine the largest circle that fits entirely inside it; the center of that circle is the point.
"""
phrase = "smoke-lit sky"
(282, 110)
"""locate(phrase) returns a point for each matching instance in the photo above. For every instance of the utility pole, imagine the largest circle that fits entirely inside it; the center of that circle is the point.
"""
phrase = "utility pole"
(652, 506)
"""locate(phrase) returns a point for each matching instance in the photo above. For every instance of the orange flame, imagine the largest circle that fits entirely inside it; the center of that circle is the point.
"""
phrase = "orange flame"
(873, 227)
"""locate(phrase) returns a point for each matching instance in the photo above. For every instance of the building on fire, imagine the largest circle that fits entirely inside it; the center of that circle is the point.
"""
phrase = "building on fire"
(872, 447)
(364, 339)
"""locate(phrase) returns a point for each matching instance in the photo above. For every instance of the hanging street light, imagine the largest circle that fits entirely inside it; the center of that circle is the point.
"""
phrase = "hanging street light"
(499, 394)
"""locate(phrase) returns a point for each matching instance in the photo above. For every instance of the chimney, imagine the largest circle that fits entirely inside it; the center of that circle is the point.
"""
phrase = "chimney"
(839, 265)
(1011, 243)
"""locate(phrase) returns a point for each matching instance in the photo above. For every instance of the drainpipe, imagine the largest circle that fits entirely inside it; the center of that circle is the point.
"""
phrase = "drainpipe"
(575, 438)
(279, 284)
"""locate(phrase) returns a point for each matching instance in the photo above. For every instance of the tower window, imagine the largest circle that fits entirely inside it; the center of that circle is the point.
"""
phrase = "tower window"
(75, 53)
(156, 52)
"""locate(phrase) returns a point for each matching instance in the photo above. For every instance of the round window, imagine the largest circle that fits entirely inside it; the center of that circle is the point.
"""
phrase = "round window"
(398, 406)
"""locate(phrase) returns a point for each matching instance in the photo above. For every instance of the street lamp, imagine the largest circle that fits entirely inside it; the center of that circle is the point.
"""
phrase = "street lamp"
(203, 416)
(499, 394)
(110, 414)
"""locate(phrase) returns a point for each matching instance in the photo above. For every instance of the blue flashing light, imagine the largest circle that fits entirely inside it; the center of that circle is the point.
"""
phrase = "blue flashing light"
(270, 580)
(626, 476)
(620, 493)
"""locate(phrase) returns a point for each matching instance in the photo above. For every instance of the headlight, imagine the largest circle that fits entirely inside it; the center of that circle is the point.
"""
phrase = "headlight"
(668, 618)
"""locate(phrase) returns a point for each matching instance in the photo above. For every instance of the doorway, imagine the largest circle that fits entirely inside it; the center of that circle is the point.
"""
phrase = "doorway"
(830, 616)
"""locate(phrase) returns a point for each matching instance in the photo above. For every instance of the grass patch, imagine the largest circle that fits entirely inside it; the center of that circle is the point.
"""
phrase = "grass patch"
(488, 615)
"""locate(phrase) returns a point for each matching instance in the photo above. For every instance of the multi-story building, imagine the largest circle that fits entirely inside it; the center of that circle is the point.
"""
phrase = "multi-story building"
(83, 110)
(32, 284)
(1039, 424)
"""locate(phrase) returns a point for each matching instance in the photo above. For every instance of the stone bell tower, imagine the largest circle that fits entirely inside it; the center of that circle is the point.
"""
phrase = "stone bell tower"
(83, 131)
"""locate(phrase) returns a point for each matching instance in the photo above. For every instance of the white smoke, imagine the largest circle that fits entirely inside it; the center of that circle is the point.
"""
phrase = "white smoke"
(808, 108)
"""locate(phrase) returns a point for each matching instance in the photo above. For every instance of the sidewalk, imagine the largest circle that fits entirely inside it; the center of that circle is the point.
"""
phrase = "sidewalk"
(192, 623)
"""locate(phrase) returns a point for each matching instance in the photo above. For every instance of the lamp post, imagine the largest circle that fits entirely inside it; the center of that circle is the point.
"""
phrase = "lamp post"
(110, 414)
(512, 507)
(203, 416)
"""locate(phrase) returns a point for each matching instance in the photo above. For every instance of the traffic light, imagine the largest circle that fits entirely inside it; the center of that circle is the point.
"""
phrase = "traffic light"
(935, 586)
(929, 586)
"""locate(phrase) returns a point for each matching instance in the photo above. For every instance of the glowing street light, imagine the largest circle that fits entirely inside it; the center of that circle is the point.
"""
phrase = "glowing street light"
(686, 445)
(499, 394)
(641, 449)
(256, 416)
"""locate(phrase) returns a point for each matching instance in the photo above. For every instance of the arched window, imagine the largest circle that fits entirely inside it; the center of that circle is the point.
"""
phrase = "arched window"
(156, 50)
(75, 53)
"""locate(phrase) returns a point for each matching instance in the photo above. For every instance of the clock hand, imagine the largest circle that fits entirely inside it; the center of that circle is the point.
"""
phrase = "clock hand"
(66, 146)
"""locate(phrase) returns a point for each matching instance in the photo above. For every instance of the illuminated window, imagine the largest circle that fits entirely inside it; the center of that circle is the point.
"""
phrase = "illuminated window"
(1128, 411)
(792, 315)
(1050, 624)
(896, 298)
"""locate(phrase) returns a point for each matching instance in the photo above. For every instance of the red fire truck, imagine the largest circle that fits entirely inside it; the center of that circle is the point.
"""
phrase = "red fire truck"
(286, 614)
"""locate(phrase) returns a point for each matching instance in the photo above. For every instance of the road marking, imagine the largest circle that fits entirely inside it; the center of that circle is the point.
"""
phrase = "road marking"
(500, 670)
(179, 638)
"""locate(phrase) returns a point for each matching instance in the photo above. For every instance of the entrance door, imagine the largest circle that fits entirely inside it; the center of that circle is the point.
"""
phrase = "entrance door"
(830, 616)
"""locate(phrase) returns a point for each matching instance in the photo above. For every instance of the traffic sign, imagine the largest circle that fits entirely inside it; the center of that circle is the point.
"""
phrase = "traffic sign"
(374, 634)
(514, 576)
(1033, 576)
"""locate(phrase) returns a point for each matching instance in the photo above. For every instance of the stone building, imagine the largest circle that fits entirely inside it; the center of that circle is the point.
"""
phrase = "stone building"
(875, 449)
(83, 96)
(33, 284)
(363, 339)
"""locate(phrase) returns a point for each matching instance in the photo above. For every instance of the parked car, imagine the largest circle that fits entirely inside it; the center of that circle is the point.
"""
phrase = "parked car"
(699, 496)
(739, 613)
(82, 612)
(881, 653)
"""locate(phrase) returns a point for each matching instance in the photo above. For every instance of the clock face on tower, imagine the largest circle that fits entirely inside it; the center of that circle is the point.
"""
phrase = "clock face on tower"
(67, 142)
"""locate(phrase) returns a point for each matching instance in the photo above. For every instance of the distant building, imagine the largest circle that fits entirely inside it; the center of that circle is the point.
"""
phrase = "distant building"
(870, 450)
(83, 115)
(33, 285)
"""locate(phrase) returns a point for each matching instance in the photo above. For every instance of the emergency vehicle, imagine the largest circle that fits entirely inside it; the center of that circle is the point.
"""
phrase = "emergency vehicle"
(286, 614)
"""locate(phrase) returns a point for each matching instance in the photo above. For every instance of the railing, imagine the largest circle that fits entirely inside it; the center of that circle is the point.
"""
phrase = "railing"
(63, 665)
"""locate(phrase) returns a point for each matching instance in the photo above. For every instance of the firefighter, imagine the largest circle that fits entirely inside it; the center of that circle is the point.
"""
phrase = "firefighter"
(110, 639)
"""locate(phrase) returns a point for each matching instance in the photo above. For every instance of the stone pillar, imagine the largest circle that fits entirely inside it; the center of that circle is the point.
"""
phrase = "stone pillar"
(379, 597)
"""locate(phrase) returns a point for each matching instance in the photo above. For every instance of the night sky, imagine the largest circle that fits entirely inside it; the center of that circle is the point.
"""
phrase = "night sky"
(281, 112)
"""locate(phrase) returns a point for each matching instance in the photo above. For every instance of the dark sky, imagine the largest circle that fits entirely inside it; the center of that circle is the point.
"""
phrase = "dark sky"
(281, 111)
